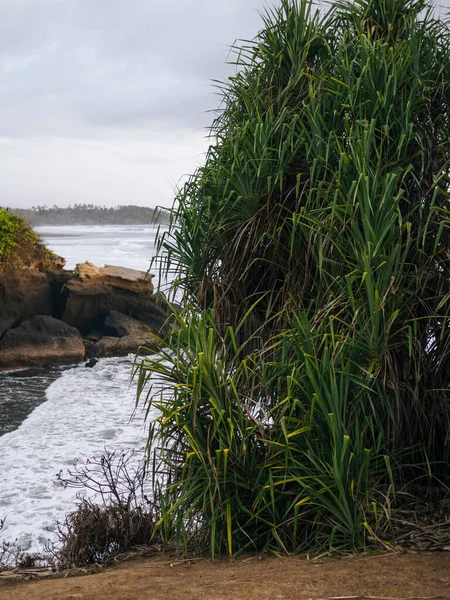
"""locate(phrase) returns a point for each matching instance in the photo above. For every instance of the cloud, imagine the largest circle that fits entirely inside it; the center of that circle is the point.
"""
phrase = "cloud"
(118, 169)
(107, 102)
(130, 62)
(89, 86)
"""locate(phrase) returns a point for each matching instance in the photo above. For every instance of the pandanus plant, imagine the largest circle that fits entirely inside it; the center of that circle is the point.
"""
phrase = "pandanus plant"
(312, 252)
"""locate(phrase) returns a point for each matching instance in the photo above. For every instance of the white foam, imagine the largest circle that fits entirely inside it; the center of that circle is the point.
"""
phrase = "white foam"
(124, 246)
(86, 411)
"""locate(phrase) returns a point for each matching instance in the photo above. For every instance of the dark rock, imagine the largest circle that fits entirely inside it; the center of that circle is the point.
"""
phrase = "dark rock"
(91, 363)
(152, 311)
(121, 346)
(41, 341)
(25, 293)
(119, 325)
(93, 336)
(22, 295)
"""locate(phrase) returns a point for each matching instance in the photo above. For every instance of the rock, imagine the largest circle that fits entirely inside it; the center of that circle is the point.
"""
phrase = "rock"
(121, 346)
(93, 336)
(129, 335)
(93, 292)
(88, 279)
(91, 363)
(119, 325)
(33, 372)
(152, 311)
(41, 341)
(23, 294)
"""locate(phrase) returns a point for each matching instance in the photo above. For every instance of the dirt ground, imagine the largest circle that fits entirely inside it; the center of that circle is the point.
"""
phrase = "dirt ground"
(406, 576)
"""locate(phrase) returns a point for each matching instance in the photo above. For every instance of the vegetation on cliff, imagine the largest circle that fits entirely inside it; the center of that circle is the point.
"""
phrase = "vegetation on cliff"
(20, 245)
(89, 214)
(308, 382)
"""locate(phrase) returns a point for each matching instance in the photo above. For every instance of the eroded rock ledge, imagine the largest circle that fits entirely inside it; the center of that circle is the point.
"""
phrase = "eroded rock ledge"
(62, 316)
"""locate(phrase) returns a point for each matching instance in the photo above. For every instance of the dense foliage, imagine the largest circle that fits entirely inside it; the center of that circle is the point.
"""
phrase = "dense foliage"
(312, 369)
(20, 245)
(89, 214)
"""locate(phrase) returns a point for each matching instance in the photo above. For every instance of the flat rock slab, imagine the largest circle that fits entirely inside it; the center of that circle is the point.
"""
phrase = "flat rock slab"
(88, 270)
(88, 279)
(127, 274)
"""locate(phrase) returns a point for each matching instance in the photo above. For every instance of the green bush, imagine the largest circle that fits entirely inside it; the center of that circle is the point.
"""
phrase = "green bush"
(20, 245)
(314, 245)
(248, 467)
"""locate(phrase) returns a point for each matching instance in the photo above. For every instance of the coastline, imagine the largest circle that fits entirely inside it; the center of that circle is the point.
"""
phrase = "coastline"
(75, 414)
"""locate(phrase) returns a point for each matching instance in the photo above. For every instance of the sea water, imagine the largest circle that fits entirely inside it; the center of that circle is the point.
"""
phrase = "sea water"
(50, 421)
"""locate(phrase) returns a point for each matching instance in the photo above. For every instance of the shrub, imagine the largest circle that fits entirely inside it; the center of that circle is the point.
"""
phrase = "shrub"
(20, 245)
(119, 517)
(325, 190)
(311, 372)
(281, 455)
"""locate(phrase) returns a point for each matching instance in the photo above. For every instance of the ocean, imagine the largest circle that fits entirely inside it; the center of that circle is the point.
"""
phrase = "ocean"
(50, 421)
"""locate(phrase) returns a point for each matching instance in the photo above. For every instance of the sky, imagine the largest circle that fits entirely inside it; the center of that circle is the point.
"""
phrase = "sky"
(108, 101)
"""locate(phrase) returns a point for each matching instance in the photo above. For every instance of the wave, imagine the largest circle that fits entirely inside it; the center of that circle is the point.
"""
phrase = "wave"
(87, 410)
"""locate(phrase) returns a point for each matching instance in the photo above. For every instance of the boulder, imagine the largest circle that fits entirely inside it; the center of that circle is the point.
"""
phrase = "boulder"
(91, 363)
(121, 346)
(125, 335)
(120, 325)
(23, 294)
(93, 292)
(41, 341)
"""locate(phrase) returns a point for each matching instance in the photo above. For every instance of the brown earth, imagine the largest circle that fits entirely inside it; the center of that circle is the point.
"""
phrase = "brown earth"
(405, 576)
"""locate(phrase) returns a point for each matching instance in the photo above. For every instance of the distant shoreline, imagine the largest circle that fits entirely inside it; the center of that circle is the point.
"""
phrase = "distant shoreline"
(48, 223)
(87, 214)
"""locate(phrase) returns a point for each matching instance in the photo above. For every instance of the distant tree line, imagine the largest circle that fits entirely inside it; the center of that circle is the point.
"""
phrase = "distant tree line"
(89, 214)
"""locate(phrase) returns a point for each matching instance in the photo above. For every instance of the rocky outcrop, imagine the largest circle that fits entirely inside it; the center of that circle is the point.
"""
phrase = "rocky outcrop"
(125, 335)
(93, 292)
(113, 309)
(41, 341)
(28, 292)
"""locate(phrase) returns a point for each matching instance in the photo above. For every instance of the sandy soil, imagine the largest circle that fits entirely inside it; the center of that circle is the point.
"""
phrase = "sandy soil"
(406, 576)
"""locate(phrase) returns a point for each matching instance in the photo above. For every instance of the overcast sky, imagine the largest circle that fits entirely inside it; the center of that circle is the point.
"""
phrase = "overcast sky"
(106, 101)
